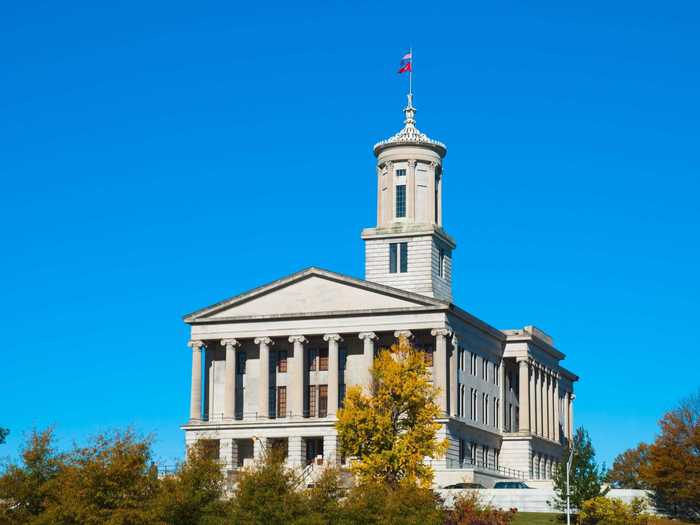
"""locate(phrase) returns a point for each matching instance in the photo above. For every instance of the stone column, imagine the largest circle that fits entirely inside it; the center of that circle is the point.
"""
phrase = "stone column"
(264, 377)
(438, 181)
(431, 192)
(503, 392)
(545, 402)
(390, 213)
(330, 449)
(454, 376)
(230, 378)
(380, 209)
(398, 334)
(411, 190)
(533, 401)
(196, 385)
(368, 339)
(226, 453)
(297, 386)
(557, 421)
(440, 365)
(259, 447)
(295, 451)
(333, 372)
(553, 405)
(523, 395)
(540, 399)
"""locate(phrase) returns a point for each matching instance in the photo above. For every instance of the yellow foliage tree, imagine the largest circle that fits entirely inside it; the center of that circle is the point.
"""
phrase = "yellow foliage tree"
(389, 432)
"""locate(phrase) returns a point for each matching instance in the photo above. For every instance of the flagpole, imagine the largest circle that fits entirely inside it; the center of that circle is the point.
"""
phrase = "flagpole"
(410, 74)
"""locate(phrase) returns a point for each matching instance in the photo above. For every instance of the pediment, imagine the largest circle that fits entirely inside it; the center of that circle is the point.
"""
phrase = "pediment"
(313, 291)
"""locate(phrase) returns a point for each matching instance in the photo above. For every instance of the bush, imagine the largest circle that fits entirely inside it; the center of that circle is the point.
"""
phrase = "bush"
(379, 504)
(613, 511)
(468, 510)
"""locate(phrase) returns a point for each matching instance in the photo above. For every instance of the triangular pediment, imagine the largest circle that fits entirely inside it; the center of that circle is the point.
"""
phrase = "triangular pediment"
(313, 291)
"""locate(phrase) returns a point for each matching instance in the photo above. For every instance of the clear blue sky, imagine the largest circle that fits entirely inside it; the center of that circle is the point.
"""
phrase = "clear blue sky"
(156, 157)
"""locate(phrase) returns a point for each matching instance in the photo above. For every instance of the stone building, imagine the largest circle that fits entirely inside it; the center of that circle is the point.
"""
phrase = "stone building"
(270, 366)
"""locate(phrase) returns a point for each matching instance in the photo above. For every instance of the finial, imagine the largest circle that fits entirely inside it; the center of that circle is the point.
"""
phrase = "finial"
(410, 112)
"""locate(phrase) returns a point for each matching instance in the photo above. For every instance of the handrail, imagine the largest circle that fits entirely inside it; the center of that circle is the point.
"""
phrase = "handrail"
(468, 463)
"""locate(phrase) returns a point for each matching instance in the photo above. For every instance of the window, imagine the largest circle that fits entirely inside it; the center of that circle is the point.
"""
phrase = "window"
(282, 361)
(462, 451)
(441, 263)
(437, 201)
(400, 200)
(484, 369)
(323, 359)
(401, 173)
(313, 359)
(484, 409)
(496, 373)
(473, 453)
(281, 401)
(398, 257)
(322, 400)
(484, 456)
(496, 404)
(312, 401)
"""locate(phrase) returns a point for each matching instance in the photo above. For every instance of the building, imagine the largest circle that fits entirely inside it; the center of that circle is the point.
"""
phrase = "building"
(270, 366)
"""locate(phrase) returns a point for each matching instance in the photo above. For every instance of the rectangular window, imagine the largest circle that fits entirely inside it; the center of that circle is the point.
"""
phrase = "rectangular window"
(398, 257)
(282, 361)
(281, 401)
(484, 369)
(400, 200)
(441, 263)
(322, 400)
(403, 266)
(241, 362)
(313, 359)
(323, 359)
(401, 173)
(312, 401)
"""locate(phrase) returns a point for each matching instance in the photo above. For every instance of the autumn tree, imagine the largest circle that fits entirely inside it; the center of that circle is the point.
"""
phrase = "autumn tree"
(112, 480)
(27, 488)
(586, 476)
(390, 431)
(626, 469)
(672, 469)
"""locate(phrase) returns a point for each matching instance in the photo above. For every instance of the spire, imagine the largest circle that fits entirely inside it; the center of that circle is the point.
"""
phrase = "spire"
(410, 112)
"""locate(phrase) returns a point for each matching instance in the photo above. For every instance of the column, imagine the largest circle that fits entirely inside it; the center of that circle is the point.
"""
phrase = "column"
(454, 376)
(557, 435)
(540, 399)
(196, 385)
(226, 453)
(380, 218)
(533, 401)
(440, 365)
(295, 451)
(259, 447)
(545, 402)
(333, 372)
(264, 376)
(552, 405)
(504, 403)
(297, 386)
(330, 449)
(391, 191)
(524, 394)
(431, 192)
(230, 378)
(368, 339)
(571, 417)
(411, 190)
(438, 182)
(407, 334)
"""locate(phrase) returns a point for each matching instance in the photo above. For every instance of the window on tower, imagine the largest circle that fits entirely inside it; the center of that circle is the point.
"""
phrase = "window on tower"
(398, 257)
(400, 200)
(441, 263)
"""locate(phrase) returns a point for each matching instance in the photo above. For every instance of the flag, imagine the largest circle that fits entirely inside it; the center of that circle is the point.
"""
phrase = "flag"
(406, 62)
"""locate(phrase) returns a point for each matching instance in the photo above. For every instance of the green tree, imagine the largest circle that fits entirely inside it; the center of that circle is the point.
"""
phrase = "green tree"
(27, 489)
(3, 434)
(586, 477)
(392, 430)
(613, 511)
(193, 494)
(626, 469)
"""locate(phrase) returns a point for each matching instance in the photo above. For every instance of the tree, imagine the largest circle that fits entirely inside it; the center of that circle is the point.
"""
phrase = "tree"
(3, 434)
(672, 469)
(392, 430)
(626, 470)
(26, 490)
(112, 480)
(586, 476)
(613, 511)
(193, 495)
(468, 509)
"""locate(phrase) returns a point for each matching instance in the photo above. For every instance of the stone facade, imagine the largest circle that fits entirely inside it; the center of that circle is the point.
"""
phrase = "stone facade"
(270, 367)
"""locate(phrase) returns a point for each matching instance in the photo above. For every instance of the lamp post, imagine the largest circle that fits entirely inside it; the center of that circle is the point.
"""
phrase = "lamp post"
(568, 490)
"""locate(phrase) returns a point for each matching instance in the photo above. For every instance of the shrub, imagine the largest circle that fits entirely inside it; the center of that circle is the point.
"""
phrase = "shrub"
(468, 510)
(613, 511)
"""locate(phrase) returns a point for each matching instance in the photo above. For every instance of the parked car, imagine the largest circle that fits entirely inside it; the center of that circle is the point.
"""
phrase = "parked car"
(510, 485)
(464, 486)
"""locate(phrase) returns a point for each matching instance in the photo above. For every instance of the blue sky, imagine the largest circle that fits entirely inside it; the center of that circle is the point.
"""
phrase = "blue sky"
(156, 157)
